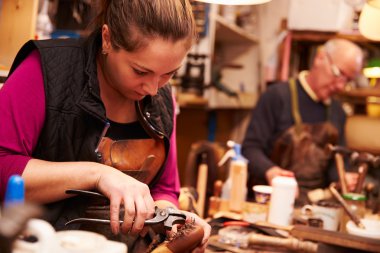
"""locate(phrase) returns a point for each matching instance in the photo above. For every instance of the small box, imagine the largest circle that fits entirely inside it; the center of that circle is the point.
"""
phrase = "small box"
(319, 15)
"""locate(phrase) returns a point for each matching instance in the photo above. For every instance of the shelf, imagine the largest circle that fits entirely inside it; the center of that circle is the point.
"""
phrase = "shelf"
(219, 100)
(190, 100)
(315, 36)
(227, 32)
(3, 76)
(4, 73)
(360, 96)
(214, 99)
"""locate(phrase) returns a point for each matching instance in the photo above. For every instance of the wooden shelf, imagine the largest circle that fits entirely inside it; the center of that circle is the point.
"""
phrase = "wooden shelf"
(360, 96)
(4, 72)
(191, 100)
(362, 93)
(227, 32)
(315, 36)
(219, 100)
(3, 76)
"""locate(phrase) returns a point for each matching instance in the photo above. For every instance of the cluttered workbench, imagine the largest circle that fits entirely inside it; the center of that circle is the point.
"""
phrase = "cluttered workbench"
(335, 219)
(233, 233)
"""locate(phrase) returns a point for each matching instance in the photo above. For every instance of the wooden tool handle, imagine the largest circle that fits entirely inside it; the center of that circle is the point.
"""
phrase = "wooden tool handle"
(202, 188)
(341, 172)
(362, 171)
(274, 226)
(289, 243)
(346, 208)
(218, 184)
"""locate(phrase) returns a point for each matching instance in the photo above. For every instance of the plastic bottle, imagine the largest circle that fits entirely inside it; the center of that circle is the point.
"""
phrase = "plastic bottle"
(44, 27)
(238, 175)
(282, 200)
(226, 188)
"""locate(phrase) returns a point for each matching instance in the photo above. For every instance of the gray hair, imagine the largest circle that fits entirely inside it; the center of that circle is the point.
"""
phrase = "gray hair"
(336, 47)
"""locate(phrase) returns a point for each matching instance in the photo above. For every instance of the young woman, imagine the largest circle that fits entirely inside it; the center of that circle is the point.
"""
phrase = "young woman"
(86, 114)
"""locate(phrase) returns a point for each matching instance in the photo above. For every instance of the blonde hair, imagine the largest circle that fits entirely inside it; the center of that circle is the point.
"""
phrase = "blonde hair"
(133, 23)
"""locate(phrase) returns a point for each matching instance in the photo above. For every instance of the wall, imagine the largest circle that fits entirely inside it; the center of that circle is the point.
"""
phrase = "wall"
(271, 16)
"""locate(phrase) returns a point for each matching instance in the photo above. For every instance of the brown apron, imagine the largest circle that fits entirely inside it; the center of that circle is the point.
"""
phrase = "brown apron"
(127, 156)
(301, 149)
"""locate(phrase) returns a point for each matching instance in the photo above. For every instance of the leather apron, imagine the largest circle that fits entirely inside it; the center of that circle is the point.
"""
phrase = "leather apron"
(301, 149)
(127, 156)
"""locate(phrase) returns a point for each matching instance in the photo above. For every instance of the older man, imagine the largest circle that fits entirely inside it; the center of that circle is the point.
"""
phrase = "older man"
(294, 120)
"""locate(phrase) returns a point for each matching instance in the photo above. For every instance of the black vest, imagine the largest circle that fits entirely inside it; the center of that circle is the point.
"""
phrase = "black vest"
(75, 114)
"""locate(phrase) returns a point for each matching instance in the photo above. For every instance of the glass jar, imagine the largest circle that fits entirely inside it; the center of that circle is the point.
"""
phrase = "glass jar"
(356, 203)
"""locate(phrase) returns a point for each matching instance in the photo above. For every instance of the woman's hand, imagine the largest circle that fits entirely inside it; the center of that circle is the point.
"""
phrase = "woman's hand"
(206, 229)
(122, 189)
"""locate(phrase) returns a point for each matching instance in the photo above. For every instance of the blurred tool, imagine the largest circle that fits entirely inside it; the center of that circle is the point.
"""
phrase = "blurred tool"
(338, 153)
(358, 158)
(346, 208)
(362, 171)
(289, 243)
(341, 172)
(193, 79)
(333, 149)
(215, 199)
(216, 78)
(188, 199)
(13, 221)
(202, 185)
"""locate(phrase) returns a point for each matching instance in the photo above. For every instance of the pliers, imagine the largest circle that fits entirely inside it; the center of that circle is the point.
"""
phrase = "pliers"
(163, 220)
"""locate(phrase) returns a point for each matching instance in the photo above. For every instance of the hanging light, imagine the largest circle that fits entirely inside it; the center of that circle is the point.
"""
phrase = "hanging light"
(369, 21)
(235, 2)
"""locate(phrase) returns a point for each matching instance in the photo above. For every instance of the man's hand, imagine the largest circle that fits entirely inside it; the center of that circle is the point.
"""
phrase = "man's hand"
(277, 171)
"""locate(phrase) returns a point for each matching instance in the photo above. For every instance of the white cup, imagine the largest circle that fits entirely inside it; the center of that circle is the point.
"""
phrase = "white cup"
(329, 215)
(262, 193)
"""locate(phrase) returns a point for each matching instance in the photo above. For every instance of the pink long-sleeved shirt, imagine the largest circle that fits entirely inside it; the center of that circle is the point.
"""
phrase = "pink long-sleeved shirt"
(22, 115)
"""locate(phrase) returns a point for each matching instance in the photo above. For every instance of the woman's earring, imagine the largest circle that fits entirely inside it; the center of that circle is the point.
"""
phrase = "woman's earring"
(104, 52)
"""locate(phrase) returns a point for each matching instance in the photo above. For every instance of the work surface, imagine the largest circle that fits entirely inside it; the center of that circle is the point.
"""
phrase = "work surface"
(292, 240)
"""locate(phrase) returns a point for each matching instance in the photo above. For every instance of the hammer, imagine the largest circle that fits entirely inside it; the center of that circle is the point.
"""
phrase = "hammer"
(364, 157)
(331, 149)
(338, 152)
(363, 160)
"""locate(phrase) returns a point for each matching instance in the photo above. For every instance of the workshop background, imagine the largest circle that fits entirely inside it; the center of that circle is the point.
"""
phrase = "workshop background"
(242, 49)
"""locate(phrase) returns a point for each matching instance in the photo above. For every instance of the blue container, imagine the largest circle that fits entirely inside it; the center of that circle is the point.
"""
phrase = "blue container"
(15, 193)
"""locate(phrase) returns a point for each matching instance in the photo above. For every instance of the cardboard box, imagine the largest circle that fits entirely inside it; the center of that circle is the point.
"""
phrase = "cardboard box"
(319, 15)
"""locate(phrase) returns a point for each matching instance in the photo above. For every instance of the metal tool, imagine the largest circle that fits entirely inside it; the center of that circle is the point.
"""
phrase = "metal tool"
(164, 219)
(167, 217)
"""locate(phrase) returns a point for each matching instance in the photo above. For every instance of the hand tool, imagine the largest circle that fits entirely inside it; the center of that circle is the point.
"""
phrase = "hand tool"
(331, 150)
(362, 171)
(202, 185)
(341, 172)
(346, 208)
(163, 219)
(167, 217)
